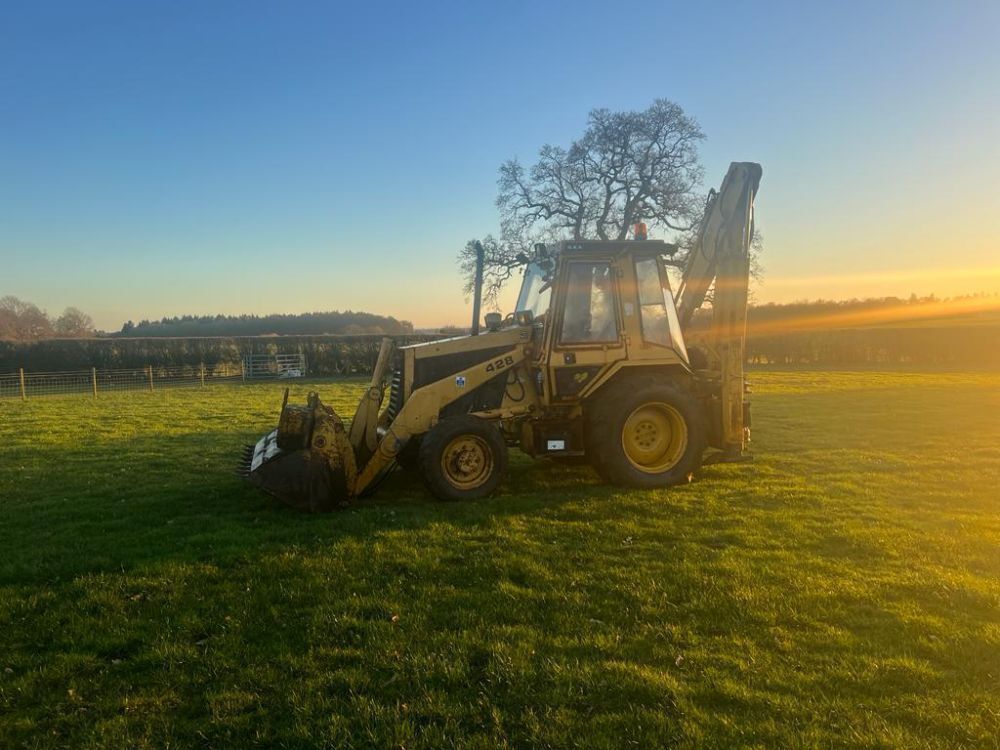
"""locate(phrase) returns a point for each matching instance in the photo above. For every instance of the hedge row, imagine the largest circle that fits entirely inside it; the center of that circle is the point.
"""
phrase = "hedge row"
(971, 346)
(325, 355)
(962, 346)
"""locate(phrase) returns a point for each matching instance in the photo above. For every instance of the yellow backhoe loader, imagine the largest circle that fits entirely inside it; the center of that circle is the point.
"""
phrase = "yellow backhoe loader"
(591, 365)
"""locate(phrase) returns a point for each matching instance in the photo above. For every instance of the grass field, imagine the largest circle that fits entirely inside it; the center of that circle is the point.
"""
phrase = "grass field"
(842, 590)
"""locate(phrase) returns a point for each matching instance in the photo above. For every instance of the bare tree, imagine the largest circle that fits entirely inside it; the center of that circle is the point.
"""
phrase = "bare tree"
(502, 257)
(22, 320)
(500, 261)
(74, 323)
(8, 322)
(625, 168)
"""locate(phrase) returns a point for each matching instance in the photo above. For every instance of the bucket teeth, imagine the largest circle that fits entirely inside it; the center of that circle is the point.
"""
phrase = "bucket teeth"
(246, 460)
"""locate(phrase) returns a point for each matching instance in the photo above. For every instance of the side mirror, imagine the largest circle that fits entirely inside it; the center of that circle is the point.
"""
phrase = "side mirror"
(493, 321)
(524, 317)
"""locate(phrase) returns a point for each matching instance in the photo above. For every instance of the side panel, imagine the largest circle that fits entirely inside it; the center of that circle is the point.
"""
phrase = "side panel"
(430, 369)
(573, 379)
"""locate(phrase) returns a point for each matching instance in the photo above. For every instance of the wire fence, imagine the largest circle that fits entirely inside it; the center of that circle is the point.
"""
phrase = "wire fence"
(93, 382)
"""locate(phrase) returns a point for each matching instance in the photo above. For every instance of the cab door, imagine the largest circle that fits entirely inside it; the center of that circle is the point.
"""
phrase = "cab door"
(652, 328)
(587, 334)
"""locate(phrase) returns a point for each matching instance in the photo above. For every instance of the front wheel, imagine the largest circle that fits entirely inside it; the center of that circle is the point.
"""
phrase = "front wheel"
(650, 433)
(463, 458)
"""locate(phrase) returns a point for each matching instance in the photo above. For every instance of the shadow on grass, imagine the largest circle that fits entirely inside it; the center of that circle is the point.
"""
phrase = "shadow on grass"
(114, 506)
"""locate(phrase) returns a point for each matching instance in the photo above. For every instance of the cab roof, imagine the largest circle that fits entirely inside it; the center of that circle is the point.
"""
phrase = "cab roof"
(616, 246)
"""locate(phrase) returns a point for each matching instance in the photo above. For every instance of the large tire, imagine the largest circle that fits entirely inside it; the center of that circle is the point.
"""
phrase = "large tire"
(463, 458)
(646, 431)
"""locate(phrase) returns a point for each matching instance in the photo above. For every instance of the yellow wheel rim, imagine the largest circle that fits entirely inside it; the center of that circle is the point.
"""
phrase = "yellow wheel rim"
(467, 462)
(654, 437)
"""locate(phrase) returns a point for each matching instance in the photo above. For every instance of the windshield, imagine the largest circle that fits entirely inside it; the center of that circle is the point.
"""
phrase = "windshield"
(535, 291)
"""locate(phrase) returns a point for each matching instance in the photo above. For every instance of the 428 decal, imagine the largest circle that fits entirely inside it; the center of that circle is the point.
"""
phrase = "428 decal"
(499, 364)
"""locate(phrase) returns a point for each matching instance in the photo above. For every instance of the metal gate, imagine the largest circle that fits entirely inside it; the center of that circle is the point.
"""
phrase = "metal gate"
(274, 365)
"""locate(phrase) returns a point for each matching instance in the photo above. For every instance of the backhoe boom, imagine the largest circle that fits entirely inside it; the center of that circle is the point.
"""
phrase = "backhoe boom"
(721, 257)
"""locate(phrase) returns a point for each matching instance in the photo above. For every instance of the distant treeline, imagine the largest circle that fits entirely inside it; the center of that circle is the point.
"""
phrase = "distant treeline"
(325, 355)
(960, 346)
(305, 324)
(810, 315)
(963, 331)
(25, 321)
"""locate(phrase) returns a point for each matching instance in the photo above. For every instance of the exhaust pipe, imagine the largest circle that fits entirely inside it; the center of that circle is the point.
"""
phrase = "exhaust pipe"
(478, 287)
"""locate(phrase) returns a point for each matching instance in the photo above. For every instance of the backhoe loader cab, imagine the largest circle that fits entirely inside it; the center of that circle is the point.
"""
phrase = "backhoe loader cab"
(600, 307)
(590, 366)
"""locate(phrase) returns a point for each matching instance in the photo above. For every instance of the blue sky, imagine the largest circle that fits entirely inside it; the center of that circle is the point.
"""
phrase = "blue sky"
(164, 158)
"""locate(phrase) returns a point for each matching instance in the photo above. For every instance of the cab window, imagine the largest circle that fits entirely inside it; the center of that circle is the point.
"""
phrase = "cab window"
(589, 314)
(535, 291)
(656, 305)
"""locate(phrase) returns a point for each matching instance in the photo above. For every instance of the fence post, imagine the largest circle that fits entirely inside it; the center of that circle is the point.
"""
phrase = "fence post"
(24, 393)
(243, 369)
(93, 379)
(149, 372)
(202, 373)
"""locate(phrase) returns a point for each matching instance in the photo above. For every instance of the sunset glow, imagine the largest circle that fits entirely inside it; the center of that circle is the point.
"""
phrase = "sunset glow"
(199, 171)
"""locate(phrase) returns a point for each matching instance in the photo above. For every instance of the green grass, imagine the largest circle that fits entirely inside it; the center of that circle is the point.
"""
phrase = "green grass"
(842, 590)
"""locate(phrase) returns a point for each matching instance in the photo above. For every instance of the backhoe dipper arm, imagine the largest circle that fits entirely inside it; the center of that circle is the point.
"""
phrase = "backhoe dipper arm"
(725, 232)
(722, 254)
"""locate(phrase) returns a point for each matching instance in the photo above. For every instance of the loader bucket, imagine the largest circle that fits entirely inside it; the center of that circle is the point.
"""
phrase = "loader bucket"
(307, 462)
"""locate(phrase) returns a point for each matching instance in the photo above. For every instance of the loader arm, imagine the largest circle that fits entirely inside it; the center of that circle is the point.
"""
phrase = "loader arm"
(721, 255)
(423, 407)
(363, 435)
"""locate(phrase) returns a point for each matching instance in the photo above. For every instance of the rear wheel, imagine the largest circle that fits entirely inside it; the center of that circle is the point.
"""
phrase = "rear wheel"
(463, 458)
(646, 432)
